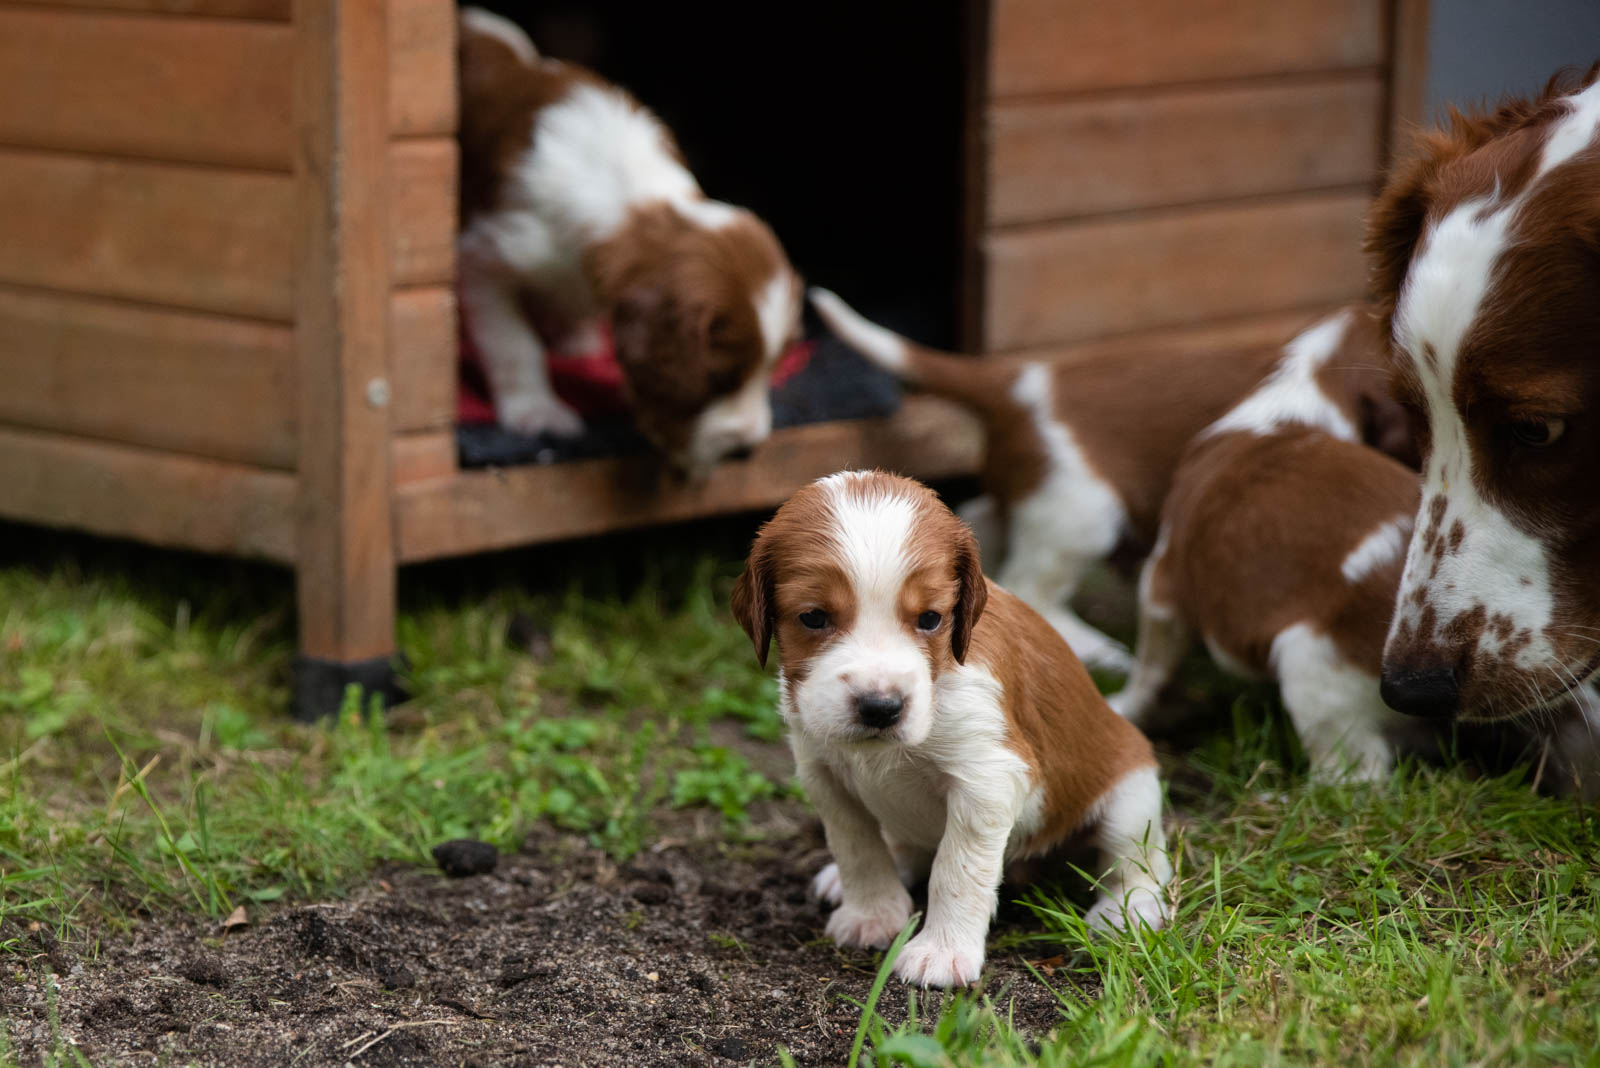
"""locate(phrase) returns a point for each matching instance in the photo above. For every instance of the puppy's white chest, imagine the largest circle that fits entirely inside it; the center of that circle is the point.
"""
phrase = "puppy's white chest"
(905, 795)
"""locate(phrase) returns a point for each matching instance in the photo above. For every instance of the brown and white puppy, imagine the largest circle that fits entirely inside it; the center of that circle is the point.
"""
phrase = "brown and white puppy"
(1079, 454)
(1281, 545)
(939, 725)
(1486, 254)
(572, 190)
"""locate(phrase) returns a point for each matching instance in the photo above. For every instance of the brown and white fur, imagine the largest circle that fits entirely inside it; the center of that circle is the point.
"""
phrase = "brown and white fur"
(939, 725)
(1078, 455)
(1281, 544)
(1486, 255)
(573, 191)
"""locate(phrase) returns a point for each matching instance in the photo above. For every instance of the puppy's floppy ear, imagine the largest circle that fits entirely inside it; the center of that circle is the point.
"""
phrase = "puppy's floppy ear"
(753, 599)
(972, 595)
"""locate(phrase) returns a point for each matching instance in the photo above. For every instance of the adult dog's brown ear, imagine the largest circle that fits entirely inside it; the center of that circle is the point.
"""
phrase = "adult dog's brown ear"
(753, 599)
(1394, 227)
(973, 594)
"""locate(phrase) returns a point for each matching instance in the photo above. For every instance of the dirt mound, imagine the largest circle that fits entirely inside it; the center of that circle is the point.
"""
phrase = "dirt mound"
(694, 953)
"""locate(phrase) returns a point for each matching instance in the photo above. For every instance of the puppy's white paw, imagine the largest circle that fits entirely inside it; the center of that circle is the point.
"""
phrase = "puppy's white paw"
(536, 413)
(1140, 907)
(1108, 655)
(584, 339)
(870, 927)
(826, 885)
(1126, 704)
(931, 959)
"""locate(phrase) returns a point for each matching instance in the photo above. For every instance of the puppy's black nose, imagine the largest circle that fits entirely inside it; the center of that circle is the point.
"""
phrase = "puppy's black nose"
(740, 452)
(879, 710)
(1433, 692)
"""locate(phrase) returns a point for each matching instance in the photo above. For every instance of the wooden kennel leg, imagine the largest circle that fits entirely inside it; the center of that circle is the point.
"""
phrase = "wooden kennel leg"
(345, 558)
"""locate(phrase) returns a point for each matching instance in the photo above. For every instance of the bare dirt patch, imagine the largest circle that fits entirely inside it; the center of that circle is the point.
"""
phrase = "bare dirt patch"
(696, 952)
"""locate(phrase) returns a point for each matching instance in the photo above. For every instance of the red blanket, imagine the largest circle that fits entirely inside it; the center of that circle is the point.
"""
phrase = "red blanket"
(589, 381)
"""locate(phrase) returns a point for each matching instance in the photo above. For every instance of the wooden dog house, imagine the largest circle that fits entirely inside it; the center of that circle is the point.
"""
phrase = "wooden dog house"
(226, 313)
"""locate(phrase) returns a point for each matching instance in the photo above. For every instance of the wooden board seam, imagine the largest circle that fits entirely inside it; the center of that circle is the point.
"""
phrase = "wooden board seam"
(133, 12)
(1057, 223)
(1242, 81)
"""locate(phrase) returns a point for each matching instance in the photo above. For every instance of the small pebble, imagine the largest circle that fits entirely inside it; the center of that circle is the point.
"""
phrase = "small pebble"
(461, 857)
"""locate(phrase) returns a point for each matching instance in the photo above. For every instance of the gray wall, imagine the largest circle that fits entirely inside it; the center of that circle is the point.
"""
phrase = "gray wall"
(1479, 50)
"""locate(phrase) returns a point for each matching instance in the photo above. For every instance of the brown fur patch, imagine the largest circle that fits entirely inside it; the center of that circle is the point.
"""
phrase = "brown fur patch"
(1258, 529)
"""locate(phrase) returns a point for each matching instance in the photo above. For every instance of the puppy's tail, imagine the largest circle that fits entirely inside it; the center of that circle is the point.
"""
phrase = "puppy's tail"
(475, 20)
(981, 384)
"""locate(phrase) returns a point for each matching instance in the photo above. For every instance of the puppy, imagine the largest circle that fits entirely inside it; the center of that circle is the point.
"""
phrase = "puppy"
(939, 725)
(1281, 545)
(571, 189)
(1078, 454)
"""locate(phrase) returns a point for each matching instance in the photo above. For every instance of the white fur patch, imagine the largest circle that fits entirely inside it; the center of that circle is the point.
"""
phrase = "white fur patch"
(1071, 522)
(1386, 544)
(1335, 707)
(707, 214)
(596, 153)
(741, 419)
(1575, 132)
(1291, 394)
(883, 347)
(777, 310)
(1497, 565)
(1133, 851)
(875, 654)
(508, 33)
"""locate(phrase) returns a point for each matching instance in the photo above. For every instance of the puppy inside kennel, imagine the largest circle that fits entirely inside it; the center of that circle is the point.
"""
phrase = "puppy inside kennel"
(842, 130)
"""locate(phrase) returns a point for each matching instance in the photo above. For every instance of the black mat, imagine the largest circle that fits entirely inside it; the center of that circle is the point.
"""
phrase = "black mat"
(834, 384)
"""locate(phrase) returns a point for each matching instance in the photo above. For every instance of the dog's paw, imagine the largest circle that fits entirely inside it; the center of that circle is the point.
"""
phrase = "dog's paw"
(873, 927)
(1128, 705)
(930, 959)
(1107, 655)
(583, 339)
(1138, 908)
(538, 414)
(826, 885)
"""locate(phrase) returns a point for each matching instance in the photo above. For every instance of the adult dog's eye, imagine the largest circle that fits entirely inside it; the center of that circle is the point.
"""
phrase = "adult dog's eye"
(816, 619)
(928, 622)
(1538, 433)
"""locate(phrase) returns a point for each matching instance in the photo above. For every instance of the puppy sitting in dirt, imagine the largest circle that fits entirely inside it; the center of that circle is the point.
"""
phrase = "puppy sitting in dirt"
(940, 726)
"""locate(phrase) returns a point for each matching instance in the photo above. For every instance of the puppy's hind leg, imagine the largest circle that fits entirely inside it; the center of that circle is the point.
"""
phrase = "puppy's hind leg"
(1133, 856)
(1053, 538)
(1164, 638)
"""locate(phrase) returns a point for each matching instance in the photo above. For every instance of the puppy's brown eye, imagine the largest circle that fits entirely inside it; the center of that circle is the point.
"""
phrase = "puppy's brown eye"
(1538, 433)
(928, 622)
(816, 619)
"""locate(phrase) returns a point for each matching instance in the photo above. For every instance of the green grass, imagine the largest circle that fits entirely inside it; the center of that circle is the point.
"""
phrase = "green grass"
(146, 765)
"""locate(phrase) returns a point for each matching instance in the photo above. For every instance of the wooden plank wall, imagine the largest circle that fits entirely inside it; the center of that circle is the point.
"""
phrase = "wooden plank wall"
(1173, 164)
(148, 290)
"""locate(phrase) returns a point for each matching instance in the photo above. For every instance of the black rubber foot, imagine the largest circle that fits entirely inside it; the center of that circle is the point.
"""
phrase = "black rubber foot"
(320, 685)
